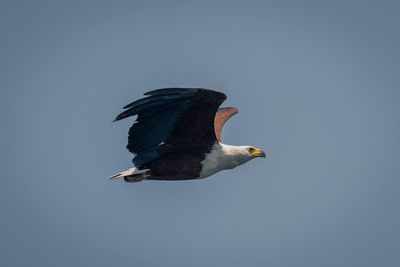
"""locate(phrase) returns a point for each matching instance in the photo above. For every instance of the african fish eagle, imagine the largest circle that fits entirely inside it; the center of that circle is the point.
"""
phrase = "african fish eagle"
(177, 136)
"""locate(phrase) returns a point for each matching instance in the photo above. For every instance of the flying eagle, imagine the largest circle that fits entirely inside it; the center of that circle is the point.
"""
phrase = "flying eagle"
(177, 136)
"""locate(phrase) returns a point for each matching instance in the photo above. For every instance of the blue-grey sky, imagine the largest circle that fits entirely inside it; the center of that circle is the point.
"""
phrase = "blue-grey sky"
(317, 84)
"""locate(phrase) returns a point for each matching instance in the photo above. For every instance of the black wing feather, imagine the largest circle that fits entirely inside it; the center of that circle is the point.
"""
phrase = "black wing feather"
(171, 120)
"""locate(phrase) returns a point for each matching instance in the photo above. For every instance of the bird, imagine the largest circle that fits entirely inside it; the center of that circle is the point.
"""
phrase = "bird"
(177, 136)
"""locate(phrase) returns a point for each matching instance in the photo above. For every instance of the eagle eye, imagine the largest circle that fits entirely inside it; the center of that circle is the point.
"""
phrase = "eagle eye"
(251, 149)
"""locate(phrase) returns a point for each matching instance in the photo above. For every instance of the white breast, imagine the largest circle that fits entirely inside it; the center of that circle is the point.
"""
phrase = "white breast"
(223, 157)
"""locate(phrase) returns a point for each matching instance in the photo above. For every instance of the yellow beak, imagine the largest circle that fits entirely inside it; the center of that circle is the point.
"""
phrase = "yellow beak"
(258, 153)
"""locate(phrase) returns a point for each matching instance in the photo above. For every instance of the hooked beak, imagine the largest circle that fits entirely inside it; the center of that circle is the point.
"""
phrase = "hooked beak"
(258, 153)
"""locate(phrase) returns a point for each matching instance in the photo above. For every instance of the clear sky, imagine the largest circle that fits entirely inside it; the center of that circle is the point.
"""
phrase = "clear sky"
(317, 85)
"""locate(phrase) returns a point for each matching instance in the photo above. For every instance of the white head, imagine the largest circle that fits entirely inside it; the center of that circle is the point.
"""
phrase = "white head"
(249, 152)
(241, 154)
(255, 152)
(227, 157)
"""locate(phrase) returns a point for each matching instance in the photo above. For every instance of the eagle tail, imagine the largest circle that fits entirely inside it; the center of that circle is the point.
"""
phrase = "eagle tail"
(131, 175)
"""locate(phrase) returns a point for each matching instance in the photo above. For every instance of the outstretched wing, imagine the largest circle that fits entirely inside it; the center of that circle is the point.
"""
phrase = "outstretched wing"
(171, 120)
(221, 117)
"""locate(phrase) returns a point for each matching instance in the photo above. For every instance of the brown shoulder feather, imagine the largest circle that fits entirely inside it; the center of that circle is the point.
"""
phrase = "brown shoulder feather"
(221, 117)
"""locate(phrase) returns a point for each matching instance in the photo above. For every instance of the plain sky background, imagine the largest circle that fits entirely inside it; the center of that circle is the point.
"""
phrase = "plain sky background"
(317, 84)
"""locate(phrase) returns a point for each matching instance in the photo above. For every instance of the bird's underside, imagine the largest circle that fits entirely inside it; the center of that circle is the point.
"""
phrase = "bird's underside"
(177, 135)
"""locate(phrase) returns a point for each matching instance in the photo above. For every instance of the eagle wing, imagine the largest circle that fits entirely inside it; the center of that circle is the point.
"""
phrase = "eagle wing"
(221, 118)
(172, 120)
